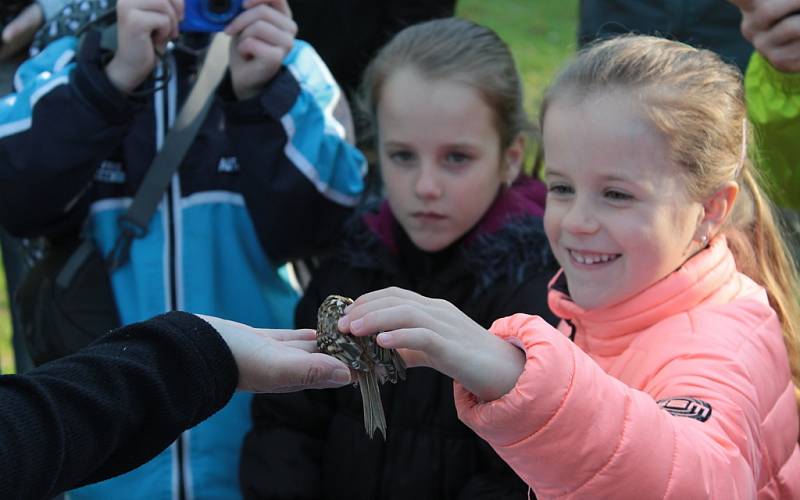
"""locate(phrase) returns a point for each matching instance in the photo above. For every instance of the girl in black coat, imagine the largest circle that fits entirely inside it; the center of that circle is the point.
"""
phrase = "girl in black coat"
(458, 223)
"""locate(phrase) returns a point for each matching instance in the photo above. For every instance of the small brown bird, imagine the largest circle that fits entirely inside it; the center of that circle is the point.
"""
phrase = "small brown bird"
(372, 363)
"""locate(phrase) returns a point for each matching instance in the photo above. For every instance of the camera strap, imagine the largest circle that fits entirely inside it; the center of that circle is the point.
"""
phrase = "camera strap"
(134, 222)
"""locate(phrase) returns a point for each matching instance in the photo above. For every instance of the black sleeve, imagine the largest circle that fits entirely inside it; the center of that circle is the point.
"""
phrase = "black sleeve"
(110, 407)
(49, 153)
(294, 217)
(296, 425)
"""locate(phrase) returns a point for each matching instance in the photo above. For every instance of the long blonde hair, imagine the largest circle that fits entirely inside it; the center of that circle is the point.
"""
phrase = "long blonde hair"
(697, 101)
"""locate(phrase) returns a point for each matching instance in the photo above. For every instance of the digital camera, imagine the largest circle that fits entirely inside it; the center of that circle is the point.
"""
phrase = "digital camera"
(209, 15)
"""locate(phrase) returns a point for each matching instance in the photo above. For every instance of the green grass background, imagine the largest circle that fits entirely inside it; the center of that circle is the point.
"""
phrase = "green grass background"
(6, 353)
(541, 34)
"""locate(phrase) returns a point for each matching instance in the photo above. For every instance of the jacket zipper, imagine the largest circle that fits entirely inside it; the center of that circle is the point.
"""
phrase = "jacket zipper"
(165, 118)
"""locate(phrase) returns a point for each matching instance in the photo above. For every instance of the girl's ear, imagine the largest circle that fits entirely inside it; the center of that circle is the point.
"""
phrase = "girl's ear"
(512, 159)
(716, 210)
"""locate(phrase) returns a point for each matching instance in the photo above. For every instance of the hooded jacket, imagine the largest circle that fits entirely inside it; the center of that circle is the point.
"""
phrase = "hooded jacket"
(682, 391)
(501, 266)
(265, 180)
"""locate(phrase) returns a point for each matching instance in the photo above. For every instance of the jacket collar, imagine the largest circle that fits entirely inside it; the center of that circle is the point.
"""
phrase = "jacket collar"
(709, 277)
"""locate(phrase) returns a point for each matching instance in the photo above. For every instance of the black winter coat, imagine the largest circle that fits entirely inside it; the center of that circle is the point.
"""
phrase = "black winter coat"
(111, 406)
(312, 445)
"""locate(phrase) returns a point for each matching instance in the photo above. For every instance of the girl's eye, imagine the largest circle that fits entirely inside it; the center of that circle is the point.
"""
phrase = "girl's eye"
(615, 195)
(456, 158)
(559, 189)
(402, 157)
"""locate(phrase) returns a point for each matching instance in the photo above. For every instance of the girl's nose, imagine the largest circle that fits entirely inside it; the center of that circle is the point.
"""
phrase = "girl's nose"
(580, 218)
(427, 184)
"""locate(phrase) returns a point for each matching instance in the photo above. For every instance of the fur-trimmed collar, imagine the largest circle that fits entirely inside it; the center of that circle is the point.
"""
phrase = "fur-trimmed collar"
(509, 241)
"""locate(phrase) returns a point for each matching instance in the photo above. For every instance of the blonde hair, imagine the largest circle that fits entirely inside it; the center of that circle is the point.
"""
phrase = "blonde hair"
(456, 50)
(697, 101)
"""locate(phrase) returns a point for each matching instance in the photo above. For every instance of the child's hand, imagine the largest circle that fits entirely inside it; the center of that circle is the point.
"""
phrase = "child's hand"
(434, 333)
(143, 26)
(262, 35)
(19, 33)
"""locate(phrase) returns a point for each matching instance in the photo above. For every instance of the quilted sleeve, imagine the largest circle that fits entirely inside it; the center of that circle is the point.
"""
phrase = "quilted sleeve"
(571, 430)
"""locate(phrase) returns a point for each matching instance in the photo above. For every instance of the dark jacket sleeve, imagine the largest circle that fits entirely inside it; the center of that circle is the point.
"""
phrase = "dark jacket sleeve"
(300, 175)
(297, 425)
(110, 407)
(64, 120)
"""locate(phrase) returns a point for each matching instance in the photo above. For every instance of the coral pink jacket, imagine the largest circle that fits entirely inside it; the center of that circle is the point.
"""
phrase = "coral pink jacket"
(584, 420)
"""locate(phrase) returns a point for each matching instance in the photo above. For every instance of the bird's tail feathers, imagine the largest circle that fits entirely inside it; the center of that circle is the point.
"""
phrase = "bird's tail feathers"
(371, 400)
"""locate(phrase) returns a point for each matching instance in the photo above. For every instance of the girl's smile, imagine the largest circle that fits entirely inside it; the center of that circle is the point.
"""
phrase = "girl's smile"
(618, 217)
(591, 260)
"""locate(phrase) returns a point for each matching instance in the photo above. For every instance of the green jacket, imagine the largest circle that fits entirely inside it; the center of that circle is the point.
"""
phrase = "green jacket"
(773, 104)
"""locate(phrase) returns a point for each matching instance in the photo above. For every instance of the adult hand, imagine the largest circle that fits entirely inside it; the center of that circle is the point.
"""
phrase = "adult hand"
(434, 333)
(143, 27)
(279, 360)
(773, 27)
(262, 35)
(19, 33)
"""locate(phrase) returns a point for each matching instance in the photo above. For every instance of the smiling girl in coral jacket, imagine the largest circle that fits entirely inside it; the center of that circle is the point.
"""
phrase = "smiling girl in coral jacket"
(671, 372)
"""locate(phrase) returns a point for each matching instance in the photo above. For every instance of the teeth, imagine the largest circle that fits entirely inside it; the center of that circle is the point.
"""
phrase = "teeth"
(594, 258)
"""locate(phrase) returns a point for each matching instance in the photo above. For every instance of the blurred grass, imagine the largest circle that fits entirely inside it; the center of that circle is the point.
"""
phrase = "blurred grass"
(541, 34)
(6, 353)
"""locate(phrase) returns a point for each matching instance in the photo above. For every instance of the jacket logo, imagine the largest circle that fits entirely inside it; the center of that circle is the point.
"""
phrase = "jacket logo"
(228, 165)
(687, 407)
(110, 172)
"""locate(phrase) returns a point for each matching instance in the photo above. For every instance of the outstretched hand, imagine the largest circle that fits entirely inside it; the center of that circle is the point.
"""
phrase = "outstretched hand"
(279, 360)
(434, 333)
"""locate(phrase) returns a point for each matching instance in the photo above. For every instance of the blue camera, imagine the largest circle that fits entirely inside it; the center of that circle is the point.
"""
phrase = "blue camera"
(209, 15)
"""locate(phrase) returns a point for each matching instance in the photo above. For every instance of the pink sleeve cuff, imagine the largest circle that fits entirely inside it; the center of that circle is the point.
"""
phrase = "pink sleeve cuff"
(540, 391)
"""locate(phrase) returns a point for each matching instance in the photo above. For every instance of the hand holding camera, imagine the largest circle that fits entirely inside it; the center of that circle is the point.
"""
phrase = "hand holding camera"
(143, 27)
(262, 37)
(263, 34)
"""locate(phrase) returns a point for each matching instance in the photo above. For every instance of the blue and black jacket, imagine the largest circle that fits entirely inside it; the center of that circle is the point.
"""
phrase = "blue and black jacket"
(267, 180)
